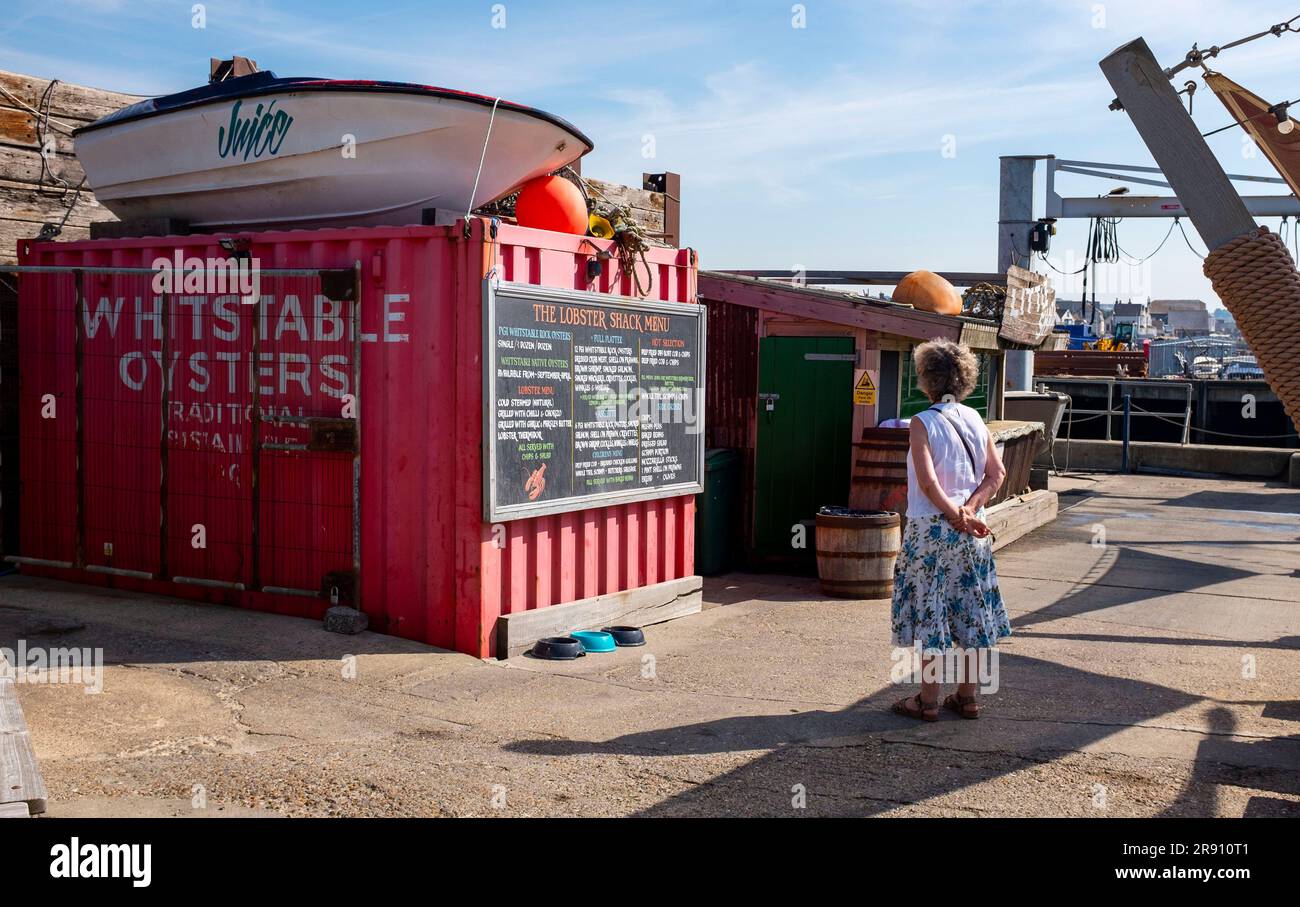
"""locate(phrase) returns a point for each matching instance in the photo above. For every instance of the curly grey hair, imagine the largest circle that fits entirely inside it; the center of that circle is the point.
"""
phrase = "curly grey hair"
(945, 369)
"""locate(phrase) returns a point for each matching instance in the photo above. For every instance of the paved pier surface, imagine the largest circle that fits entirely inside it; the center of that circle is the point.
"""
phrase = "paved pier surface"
(1155, 670)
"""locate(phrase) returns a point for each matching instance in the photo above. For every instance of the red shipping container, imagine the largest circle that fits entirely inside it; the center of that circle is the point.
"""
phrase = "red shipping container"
(430, 566)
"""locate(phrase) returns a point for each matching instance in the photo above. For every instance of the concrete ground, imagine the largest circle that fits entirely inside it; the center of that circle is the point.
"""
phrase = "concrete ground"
(1154, 670)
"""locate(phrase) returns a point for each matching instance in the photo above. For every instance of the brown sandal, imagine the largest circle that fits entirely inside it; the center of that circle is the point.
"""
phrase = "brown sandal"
(916, 707)
(965, 706)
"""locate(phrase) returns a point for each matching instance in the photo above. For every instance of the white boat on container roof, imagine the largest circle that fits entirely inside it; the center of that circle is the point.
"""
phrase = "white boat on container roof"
(259, 151)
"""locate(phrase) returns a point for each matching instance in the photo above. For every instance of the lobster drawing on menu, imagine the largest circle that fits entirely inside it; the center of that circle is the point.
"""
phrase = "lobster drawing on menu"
(536, 483)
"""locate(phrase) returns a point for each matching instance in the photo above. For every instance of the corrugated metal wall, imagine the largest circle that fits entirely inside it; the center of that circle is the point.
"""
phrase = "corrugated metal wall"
(432, 570)
(731, 398)
(1162, 356)
(732, 374)
(569, 556)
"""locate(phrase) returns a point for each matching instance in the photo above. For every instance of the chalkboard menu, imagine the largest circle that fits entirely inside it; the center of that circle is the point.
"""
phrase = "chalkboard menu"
(589, 400)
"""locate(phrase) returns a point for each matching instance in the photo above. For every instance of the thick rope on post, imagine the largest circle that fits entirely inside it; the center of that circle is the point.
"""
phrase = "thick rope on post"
(1257, 280)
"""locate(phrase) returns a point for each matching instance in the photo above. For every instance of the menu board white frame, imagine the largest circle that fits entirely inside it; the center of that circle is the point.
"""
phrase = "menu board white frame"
(494, 288)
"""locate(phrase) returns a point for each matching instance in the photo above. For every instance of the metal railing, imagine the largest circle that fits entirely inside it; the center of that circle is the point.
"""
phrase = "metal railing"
(1113, 410)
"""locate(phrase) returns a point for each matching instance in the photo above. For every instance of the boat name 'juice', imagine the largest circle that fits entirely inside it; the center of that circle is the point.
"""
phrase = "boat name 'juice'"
(263, 132)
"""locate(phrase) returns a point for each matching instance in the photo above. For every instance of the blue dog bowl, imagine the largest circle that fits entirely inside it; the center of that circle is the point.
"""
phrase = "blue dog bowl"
(595, 640)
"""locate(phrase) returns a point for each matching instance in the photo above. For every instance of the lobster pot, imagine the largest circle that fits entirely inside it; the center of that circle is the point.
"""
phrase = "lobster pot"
(880, 470)
(856, 551)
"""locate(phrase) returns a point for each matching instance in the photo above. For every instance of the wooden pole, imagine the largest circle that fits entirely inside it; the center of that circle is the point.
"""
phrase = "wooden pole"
(670, 184)
(1203, 189)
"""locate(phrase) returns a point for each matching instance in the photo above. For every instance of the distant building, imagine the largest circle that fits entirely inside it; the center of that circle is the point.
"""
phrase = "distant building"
(1136, 314)
(1224, 323)
(1072, 312)
(1183, 317)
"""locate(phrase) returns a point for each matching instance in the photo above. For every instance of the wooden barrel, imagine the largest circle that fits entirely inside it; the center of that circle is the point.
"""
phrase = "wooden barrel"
(880, 470)
(856, 551)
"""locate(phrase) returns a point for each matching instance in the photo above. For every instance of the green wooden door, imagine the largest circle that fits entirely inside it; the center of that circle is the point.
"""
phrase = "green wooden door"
(804, 439)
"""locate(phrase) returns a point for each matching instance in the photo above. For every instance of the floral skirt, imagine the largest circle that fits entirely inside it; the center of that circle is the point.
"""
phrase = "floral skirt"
(946, 589)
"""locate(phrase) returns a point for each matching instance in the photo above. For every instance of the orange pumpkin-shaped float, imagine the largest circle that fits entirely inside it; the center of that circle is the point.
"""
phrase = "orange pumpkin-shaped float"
(926, 291)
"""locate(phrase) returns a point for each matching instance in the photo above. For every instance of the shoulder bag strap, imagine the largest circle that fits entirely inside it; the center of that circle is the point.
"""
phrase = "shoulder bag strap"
(960, 437)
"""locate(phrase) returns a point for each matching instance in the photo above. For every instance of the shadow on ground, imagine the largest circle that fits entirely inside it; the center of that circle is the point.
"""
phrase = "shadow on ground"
(854, 762)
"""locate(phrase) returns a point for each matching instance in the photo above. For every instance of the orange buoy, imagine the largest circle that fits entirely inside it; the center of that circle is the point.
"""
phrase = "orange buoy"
(928, 292)
(552, 203)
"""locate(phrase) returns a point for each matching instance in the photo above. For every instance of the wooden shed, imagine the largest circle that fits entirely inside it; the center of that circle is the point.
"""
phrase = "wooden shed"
(800, 377)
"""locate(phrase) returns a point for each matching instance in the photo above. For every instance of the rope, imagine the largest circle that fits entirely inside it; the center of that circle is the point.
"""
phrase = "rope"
(42, 133)
(1206, 431)
(66, 127)
(1183, 230)
(1138, 261)
(1047, 261)
(482, 157)
(628, 236)
(1256, 278)
(42, 121)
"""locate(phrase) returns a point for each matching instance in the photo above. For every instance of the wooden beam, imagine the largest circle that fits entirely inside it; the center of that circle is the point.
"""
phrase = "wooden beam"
(66, 101)
(641, 607)
(1202, 186)
(1019, 516)
(868, 278)
(670, 184)
(20, 776)
(828, 306)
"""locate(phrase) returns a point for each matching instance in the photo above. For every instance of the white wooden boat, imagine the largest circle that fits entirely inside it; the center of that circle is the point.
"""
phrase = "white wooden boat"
(260, 151)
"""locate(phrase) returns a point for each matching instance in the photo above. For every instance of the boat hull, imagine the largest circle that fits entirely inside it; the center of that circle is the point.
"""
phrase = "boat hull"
(319, 158)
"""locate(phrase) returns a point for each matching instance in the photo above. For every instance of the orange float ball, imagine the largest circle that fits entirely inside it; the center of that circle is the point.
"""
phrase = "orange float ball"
(928, 292)
(552, 203)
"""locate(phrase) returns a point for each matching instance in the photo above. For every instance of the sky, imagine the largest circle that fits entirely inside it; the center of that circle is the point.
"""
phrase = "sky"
(827, 134)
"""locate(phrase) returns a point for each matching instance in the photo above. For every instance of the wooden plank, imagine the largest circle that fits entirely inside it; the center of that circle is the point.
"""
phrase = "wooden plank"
(641, 607)
(23, 165)
(647, 208)
(67, 101)
(1019, 516)
(670, 185)
(629, 195)
(1090, 363)
(24, 202)
(826, 305)
(18, 128)
(821, 277)
(20, 776)
(1175, 142)
(14, 231)
(979, 336)
(15, 811)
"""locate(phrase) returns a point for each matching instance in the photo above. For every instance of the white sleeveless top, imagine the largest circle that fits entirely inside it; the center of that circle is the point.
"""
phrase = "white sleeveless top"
(951, 463)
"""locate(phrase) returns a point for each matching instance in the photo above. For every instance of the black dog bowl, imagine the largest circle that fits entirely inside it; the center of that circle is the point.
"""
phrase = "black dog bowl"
(626, 636)
(557, 648)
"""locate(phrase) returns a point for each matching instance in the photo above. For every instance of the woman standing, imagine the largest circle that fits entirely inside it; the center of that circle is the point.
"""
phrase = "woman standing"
(945, 587)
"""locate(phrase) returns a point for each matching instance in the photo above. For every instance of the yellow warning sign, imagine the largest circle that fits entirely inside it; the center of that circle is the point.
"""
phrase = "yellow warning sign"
(864, 389)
